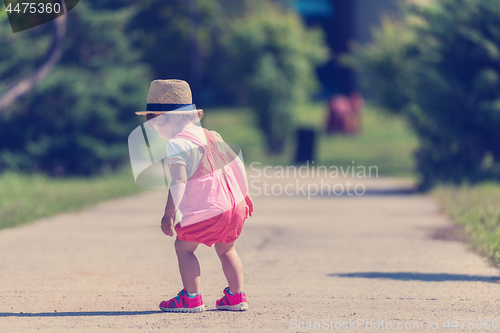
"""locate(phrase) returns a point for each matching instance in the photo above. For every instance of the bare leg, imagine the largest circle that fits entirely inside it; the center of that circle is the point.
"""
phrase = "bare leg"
(231, 265)
(188, 265)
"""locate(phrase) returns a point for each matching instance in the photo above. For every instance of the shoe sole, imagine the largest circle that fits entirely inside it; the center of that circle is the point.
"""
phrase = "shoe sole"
(200, 308)
(238, 307)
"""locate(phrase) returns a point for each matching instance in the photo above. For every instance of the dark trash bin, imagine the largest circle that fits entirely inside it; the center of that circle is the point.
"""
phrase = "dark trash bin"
(306, 143)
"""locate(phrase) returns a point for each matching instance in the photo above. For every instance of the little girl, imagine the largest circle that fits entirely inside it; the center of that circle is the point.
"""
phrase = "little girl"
(209, 192)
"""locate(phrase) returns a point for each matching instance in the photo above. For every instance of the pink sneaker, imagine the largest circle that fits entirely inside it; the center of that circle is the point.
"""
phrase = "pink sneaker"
(236, 302)
(183, 303)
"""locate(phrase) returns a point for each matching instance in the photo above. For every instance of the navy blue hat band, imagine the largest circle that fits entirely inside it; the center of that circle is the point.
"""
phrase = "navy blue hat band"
(168, 107)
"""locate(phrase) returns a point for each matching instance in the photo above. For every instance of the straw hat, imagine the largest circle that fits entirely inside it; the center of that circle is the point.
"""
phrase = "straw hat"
(169, 96)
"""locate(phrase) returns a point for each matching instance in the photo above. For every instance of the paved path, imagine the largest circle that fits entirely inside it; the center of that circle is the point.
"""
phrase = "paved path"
(338, 261)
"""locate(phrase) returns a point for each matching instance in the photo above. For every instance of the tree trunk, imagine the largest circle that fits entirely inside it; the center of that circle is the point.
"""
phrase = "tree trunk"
(53, 56)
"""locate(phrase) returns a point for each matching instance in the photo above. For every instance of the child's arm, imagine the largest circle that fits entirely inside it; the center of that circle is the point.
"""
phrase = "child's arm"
(175, 194)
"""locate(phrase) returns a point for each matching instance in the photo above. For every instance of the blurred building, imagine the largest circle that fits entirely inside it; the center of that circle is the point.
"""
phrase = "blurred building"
(344, 21)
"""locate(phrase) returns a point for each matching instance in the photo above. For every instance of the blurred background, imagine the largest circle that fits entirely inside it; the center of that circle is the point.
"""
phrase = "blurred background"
(408, 86)
(261, 69)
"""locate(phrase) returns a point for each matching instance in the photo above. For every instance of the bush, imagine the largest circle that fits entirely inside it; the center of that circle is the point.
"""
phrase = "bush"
(440, 66)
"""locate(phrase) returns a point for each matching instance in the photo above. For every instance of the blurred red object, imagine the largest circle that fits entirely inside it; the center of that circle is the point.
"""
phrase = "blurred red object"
(344, 114)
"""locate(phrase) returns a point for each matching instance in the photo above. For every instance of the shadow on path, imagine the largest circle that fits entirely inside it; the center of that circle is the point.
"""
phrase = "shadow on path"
(428, 277)
(317, 192)
(80, 314)
(389, 192)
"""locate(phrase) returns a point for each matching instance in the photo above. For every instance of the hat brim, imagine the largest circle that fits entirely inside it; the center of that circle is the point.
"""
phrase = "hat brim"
(143, 113)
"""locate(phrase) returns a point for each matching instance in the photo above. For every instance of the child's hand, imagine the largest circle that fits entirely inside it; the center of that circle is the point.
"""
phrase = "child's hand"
(249, 202)
(167, 225)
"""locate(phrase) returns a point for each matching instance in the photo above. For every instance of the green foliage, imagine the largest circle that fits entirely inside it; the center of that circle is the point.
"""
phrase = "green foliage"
(172, 35)
(3, 14)
(252, 52)
(440, 67)
(476, 209)
(384, 64)
(78, 119)
(272, 65)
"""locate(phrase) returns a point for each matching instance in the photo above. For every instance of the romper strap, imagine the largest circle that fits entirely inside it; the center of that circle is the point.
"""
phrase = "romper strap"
(210, 140)
(191, 137)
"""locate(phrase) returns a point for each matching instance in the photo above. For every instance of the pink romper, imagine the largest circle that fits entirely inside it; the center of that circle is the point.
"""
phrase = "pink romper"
(213, 207)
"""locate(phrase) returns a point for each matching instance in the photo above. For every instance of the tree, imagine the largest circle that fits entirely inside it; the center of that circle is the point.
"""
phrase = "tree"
(77, 120)
(273, 59)
(253, 52)
(440, 67)
(26, 85)
(176, 37)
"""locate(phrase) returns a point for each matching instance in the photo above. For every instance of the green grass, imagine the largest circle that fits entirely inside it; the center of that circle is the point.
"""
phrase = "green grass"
(25, 198)
(385, 140)
(475, 208)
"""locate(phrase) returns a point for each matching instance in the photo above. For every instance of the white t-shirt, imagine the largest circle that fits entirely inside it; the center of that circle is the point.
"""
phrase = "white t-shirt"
(185, 152)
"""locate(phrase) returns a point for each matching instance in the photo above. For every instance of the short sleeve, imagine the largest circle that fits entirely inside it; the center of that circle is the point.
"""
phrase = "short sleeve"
(177, 152)
(217, 136)
(185, 152)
